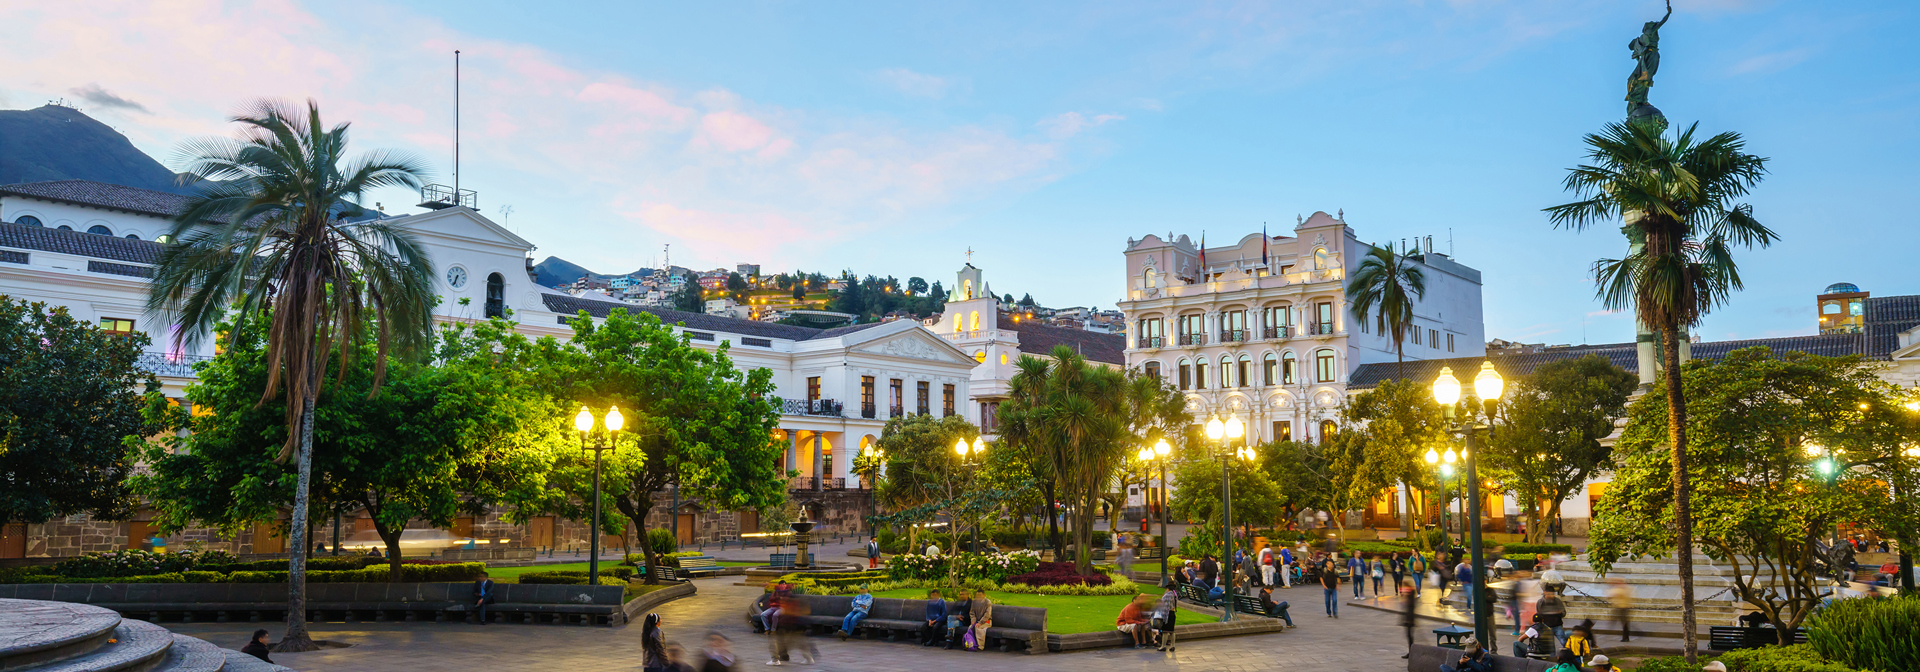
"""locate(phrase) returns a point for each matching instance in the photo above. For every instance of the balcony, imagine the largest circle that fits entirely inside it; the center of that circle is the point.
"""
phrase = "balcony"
(808, 483)
(816, 407)
(1275, 333)
(1320, 329)
(1151, 342)
(866, 411)
(170, 365)
(1233, 336)
(896, 411)
(1193, 339)
(440, 196)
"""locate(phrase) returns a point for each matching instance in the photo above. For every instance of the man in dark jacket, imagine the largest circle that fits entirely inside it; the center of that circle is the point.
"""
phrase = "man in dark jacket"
(958, 620)
(933, 629)
(1209, 570)
(1330, 584)
(1473, 659)
(482, 596)
(257, 647)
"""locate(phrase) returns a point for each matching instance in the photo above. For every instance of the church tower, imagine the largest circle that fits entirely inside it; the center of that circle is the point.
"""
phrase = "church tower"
(1842, 309)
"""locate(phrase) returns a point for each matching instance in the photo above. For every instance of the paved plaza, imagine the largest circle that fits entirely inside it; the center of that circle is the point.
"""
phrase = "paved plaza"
(1361, 640)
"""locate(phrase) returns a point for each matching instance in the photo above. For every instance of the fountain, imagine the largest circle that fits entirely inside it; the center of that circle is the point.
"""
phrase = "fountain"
(801, 528)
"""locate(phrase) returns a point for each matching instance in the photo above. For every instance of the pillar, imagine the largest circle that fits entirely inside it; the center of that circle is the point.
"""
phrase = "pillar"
(793, 452)
(818, 443)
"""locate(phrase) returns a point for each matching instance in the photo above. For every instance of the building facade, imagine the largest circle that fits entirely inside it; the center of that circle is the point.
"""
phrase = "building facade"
(995, 339)
(1259, 329)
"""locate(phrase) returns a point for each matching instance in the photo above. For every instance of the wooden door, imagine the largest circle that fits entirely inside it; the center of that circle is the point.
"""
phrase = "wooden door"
(749, 522)
(462, 528)
(267, 539)
(363, 524)
(13, 540)
(540, 532)
(138, 532)
(686, 528)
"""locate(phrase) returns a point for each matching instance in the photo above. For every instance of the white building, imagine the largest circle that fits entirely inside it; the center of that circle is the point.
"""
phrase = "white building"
(974, 323)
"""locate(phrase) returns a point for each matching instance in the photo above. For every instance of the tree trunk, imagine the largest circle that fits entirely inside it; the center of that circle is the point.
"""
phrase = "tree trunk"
(392, 539)
(1053, 521)
(638, 516)
(1682, 488)
(297, 639)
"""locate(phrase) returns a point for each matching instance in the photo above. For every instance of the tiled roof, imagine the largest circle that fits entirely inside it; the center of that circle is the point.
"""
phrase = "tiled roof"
(111, 268)
(568, 305)
(1887, 317)
(78, 243)
(1040, 339)
(101, 195)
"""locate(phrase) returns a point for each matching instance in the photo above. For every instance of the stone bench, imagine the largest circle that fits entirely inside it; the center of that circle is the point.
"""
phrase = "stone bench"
(1424, 658)
(697, 566)
(1025, 627)
(350, 601)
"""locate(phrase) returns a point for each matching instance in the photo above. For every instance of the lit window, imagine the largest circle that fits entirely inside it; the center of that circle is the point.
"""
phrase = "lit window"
(1200, 375)
(980, 356)
(1323, 365)
(1322, 260)
(974, 321)
(1288, 368)
(1003, 358)
(956, 324)
(1853, 308)
(116, 326)
(1270, 369)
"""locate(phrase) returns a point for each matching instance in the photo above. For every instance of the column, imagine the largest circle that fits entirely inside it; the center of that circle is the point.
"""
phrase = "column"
(818, 442)
(793, 452)
(843, 457)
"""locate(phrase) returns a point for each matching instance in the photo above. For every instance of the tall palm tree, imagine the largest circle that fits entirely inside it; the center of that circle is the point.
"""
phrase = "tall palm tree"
(1385, 287)
(1677, 197)
(1075, 414)
(269, 232)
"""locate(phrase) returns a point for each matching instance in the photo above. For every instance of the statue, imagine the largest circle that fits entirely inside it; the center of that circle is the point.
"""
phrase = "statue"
(1646, 57)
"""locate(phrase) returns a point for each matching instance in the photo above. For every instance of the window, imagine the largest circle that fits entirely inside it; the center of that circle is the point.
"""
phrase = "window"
(1323, 365)
(973, 321)
(1200, 375)
(700, 335)
(896, 397)
(1288, 369)
(813, 389)
(1433, 338)
(1186, 375)
(1449, 342)
(866, 396)
(496, 295)
(1853, 307)
(132, 237)
(1270, 369)
(923, 395)
(1321, 259)
(1192, 325)
(64, 227)
(1327, 428)
(1150, 278)
(1240, 374)
(28, 220)
(1276, 319)
(1282, 430)
(946, 400)
(1003, 358)
(756, 342)
(1363, 325)
(1324, 310)
(956, 323)
(1233, 326)
(99, 230)
(1416, 335)
(980, 356)
(1226, 372)
(116, 326)
(1152, 370)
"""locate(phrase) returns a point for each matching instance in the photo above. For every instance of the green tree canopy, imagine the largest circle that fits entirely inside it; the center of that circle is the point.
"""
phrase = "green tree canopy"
(1545, 444)
(1386, 432)
(69, 394)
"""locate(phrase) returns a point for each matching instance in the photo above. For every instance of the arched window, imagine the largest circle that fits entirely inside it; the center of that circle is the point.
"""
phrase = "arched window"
(1151, 277)
(64, 227)
(132, 237)
(1186, 375)
(1243, 374)
(99, 230)
(1289, 369)
(1226, 372)
(1321, 260)
(957, 323)
(496, 295)
(966, 290)
(28, 220)
(1323, 366)
(1270, 369)
(1152, 370)
(1200, 375)
(1327, 428)
(974, 321)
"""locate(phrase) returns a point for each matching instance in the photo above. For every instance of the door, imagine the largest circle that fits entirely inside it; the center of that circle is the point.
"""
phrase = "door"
(267, 539)
(363, 524)
(749, 522)
(462, 528)
(13, 540)
(138, 533)
(686, 528)
(541, 532)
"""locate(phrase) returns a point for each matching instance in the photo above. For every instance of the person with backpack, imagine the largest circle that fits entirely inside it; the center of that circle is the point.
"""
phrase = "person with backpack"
(1581, 641)
(1377, 571)
(1417, 567)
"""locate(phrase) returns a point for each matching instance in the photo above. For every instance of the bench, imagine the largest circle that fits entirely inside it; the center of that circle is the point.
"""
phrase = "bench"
(1249, 604)
(1194, 594)
(1423, 658)
(780, 559)
(1012, 626)
(346, 602)
(1149, 553)
(697, 566)
(1728, 638)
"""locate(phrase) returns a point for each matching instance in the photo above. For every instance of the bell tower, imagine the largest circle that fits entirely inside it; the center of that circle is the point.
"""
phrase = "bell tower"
(1842, 309)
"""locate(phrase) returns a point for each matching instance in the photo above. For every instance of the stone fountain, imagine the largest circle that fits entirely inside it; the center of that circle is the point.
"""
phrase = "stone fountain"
(801, 530)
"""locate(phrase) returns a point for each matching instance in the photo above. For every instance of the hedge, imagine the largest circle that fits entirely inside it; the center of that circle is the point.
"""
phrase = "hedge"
(576, 577)
(1873, 633)
(1542, 549)
(1795, 658)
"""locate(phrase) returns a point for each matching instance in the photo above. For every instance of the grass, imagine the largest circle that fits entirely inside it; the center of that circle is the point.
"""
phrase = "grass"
(1066, 614)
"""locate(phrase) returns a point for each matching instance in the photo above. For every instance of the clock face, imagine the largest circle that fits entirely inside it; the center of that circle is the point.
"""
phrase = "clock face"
(457, 277)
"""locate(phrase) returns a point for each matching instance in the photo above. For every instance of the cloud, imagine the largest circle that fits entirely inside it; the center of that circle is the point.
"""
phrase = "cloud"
(1771, 62)
(915, 84)
(1605, 313)
(92, 93)
(1069, 124)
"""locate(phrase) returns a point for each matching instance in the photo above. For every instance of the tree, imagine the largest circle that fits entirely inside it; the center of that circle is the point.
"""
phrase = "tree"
(695, 423)
(938, 294)
(926, 479)
(1008, 299)
(1196, 493)
(1677, 197)
(269, 228)
(440, 440)
(1026, 300)
(799, 291)
(1385, 286)
(1300, 470)
(1075, 414)
(1391, 427)
(1546, 442)
(1762, 426)
(737, 284)
(916, 286)
(69, 392)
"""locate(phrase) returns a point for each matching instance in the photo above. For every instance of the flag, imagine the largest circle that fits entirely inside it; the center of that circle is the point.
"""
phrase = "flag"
(1263, 243)
(1203, 256)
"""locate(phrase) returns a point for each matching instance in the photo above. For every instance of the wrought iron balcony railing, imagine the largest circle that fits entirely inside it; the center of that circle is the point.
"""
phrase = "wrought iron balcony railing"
(170, 365)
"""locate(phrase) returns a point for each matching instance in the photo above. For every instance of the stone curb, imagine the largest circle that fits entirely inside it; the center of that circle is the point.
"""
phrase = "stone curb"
(639, 606)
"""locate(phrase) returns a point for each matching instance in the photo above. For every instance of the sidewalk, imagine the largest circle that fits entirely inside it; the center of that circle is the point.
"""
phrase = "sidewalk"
(1660, 639)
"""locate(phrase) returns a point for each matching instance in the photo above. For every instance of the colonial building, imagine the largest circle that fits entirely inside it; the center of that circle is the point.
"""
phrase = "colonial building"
(1259, 329)
(1883, 330)
(90, 247)
(995, 339)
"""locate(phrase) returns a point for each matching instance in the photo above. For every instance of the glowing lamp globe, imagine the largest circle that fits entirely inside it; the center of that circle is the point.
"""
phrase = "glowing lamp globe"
(583, 421)
(1215, 429)
(1446, 388)
(614, 420)
(1488, 383)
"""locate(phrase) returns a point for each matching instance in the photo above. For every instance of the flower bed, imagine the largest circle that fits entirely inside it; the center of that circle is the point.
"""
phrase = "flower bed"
(1059, 574)
(993, 567)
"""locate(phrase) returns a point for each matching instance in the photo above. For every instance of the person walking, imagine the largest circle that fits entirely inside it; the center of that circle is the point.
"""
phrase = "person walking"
(1330, 587)
(1581, 641)
(1266, 566)
(1409, 600)
(718, 654)
(1357, 573)
(873, 553)
(1620, 595)
(1464, 575)
(653, 646)
(1286, 567)
(1397, 567)
(1126, 555)
(1417, 568)
(257, 647)
(1377, 570)
(1164, 617)
(482, 596)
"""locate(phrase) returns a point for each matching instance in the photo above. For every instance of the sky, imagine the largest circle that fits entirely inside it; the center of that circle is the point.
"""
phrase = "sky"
(890, 138)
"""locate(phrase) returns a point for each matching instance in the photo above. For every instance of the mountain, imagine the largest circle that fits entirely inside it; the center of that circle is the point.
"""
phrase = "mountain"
(61, 143)
(555, 272)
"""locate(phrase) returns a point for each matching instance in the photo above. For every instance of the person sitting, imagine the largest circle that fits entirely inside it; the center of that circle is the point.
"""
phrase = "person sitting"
(1164, 616)
(1133, 621)
(1565, 661)
(1216, 594)
(959, 620)
(933, 628)
(1755, 619)
(1472, 659)
(769, 616)
(1267, 603)
(257, 647)
(374, 552)
(862, 604)
(1601, 664)
(1535, 642)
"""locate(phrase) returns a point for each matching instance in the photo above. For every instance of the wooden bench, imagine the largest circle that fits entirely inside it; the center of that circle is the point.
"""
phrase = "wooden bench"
(1423, 658)
(1249, 604)
(1728, 638)
(697, 566)
(1196, 595)
(1149, 553)
(780, 559)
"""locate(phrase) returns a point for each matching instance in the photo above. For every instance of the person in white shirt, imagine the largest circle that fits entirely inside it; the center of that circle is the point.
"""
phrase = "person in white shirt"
(933, 550)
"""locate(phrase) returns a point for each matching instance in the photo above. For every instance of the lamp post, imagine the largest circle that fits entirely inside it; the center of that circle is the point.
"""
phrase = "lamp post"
(1158, 453)
(970, 458)
(584, 423)
(875, 457)
(1223, 433)
(1446, 390)
(1445, 467)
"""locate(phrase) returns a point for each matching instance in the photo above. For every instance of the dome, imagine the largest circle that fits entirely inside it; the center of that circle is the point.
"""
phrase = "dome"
(1842, 288)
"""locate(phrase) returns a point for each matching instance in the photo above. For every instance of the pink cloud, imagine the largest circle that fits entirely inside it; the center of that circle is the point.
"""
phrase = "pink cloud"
(630, 99)
(733, 132)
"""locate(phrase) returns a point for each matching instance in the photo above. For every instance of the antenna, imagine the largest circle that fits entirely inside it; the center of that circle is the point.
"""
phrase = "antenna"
(667, 254)
(1449, 241)
(456, 121)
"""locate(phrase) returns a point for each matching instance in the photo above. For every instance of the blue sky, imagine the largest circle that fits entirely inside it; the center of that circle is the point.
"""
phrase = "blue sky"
(889, 138)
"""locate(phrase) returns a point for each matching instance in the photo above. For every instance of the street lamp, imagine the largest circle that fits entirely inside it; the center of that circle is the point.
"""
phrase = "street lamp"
(875, 458)
(584, 423)
(970, 457)
(1488, 386)
(1158, 453)
(1223, 433)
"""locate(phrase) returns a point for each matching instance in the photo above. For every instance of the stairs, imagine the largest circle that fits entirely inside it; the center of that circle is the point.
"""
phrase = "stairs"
(37, 636)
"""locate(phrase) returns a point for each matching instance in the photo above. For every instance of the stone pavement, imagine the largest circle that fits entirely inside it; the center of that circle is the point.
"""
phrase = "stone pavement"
(1363, 640)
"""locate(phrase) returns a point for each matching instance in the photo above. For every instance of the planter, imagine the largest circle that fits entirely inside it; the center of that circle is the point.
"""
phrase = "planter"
(1115, 638)
(639, 606)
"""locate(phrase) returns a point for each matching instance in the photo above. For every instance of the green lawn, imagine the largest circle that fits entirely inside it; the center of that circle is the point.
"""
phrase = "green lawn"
(1066, 614)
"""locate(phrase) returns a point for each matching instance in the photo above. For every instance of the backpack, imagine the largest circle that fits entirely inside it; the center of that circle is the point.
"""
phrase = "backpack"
(1578, 644)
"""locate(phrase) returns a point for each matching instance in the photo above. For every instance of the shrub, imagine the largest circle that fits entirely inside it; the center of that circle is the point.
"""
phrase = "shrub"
(828, 583)
(1059, 574)
(662, 541)
(168, 577)
(1102, 539)
(205, 577)
(994, 567)
(1372, 548)
(1541, 549)
(622, 573)
(1796, 658)
(1001, 538)
(566, 579)
(1666, 664)
(1431, 538)
(1869, 634)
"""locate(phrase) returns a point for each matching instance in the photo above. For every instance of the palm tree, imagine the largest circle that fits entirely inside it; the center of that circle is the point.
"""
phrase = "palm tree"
(1386, 286)
(1677, 196)
(1075, 414)
(269, 232)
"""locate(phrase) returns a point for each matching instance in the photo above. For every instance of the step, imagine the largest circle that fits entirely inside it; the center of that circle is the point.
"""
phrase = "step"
(192, 654)
(240, 662)
(138, 646)
(33, 632)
